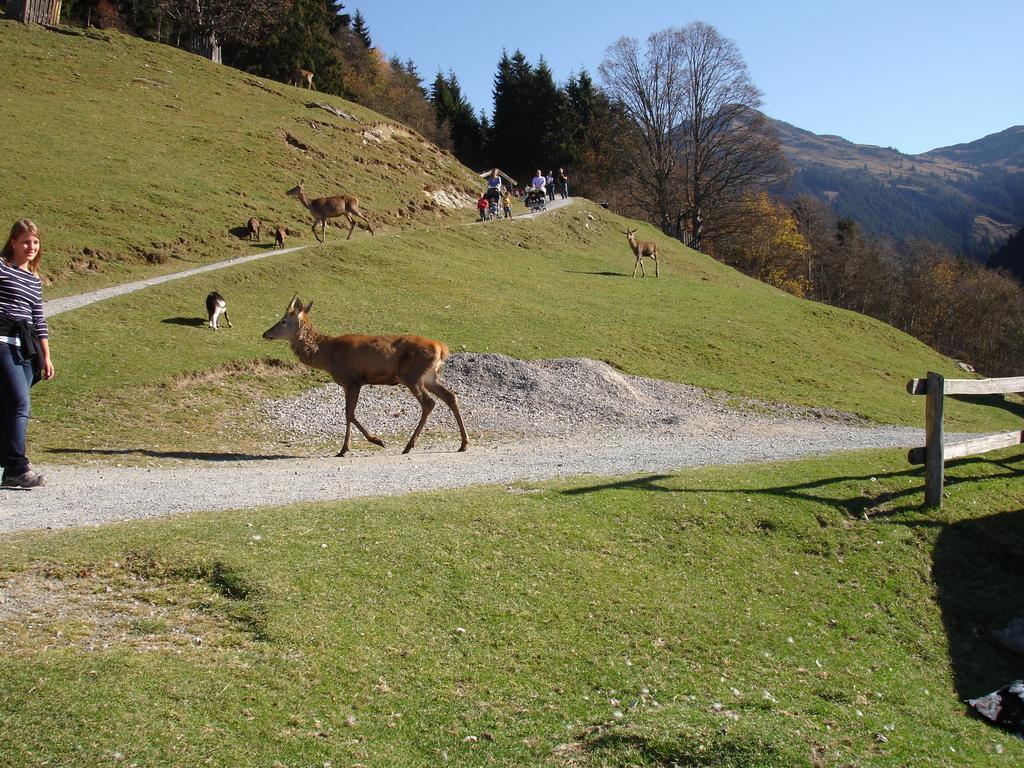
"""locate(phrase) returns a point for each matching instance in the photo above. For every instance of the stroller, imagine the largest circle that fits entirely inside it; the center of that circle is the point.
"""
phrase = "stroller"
(536, 199)
(493, 204)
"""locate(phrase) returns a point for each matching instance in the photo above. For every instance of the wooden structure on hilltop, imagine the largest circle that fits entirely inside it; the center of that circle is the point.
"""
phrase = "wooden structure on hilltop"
(34, 11)
(504, 176)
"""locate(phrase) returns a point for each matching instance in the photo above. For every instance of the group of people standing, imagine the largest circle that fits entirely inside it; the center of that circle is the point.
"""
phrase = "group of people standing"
(550, 183)
(493, 195)
(496, 194)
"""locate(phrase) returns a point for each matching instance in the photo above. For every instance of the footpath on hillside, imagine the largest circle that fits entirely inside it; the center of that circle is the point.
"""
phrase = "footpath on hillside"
(67, 303)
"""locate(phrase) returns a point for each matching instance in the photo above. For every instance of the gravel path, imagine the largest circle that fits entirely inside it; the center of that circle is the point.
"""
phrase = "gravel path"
(529, 421)
(56, 306)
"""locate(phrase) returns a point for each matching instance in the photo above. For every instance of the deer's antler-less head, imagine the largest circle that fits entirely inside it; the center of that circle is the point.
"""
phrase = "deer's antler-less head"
(296, 191)
(288, 326)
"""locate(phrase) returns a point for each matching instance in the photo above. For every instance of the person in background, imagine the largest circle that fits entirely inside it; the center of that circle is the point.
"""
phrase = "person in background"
(549, 185)
(563, 183)
(24, 349)
(506, 202)
(481, 206)
(537, 182)
(494, 180)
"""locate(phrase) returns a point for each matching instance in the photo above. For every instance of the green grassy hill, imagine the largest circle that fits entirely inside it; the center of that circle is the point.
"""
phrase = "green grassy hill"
(744, 616)
(138, 159)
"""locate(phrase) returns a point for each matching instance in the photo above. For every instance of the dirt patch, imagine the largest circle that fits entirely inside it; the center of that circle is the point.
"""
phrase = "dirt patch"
(380, 132)
(263, 367)
(108, 607)
(450, 198)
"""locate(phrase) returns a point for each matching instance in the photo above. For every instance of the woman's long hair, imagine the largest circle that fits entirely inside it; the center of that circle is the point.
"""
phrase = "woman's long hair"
(21, 226)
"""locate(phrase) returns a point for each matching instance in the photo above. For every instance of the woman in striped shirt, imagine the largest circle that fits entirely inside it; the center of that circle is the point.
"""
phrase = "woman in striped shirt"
(24, 348)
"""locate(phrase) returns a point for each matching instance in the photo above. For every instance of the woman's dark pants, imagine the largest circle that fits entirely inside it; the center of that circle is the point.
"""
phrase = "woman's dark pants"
(15, 403)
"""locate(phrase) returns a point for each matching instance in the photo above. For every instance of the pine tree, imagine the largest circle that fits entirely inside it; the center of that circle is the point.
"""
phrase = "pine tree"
(456, 121)
(361, 30)
(306, 37)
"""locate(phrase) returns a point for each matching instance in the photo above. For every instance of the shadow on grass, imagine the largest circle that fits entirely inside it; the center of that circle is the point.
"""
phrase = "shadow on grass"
(997, 402)
(646, 483)
(721, 752)
(978, 568)
(192, 322)
(196, 455)
(599, 274)
(859, 505)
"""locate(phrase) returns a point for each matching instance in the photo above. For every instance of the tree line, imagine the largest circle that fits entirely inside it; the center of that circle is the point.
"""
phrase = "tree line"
(954, 304)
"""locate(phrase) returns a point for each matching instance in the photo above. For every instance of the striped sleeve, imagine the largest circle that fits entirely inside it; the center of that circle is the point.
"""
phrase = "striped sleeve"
(21, 297)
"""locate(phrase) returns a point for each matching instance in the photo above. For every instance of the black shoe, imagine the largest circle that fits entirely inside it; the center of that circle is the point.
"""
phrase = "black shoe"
(27, 479)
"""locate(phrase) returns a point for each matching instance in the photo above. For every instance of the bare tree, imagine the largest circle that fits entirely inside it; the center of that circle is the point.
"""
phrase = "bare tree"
(702, 145)
(648, 85)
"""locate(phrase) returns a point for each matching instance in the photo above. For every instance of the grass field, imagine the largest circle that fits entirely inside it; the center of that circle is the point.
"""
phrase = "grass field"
(740, 616)
(137, 159)
(798, 614)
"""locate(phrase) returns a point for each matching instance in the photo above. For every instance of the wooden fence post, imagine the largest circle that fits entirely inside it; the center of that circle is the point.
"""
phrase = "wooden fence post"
(35, 11)
(934, 468)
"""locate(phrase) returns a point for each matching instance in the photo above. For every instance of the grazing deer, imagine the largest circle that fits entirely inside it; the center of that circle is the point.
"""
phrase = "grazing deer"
(253, 229)
(300, 76)
(279, 237)
(642, 249)
(215, 306)
(355, 360)
(324, 208)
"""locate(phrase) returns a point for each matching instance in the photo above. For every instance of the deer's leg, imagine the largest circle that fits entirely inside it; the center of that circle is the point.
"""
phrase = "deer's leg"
(227, 319)
(352, 225)
(351, 398)
(427, 404)
(368, 225)
(449, 399)
(640, 259)
(657, 265)
(315, 222)
(635, 265)
(350, 407)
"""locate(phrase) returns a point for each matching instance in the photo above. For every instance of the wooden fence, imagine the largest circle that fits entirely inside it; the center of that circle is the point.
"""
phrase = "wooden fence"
(35, 11)
(936, 453)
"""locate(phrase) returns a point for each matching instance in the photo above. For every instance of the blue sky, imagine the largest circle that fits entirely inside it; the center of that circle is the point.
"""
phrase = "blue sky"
(904, 73)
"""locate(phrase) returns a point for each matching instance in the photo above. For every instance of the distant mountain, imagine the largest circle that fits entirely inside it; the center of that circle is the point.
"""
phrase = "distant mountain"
(969, 197)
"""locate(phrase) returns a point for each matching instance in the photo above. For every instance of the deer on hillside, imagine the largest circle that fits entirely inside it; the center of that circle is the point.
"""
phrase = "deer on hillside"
(302, 76)
(252, 229)
(355, 360)
(324, 208)
(642, 249)
(279, 234)
(215, 307)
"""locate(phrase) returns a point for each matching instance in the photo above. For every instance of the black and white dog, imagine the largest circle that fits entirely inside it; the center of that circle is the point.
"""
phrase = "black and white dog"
(215, 306)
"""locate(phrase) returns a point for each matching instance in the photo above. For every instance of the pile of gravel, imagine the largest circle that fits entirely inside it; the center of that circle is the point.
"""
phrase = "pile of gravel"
(503, 396)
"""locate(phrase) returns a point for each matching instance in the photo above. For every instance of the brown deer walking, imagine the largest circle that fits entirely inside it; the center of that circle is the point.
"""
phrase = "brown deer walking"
(324, 208)
(253, 228)
(642, 249)
(279, 237)
(302, 76)
(355, 360)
